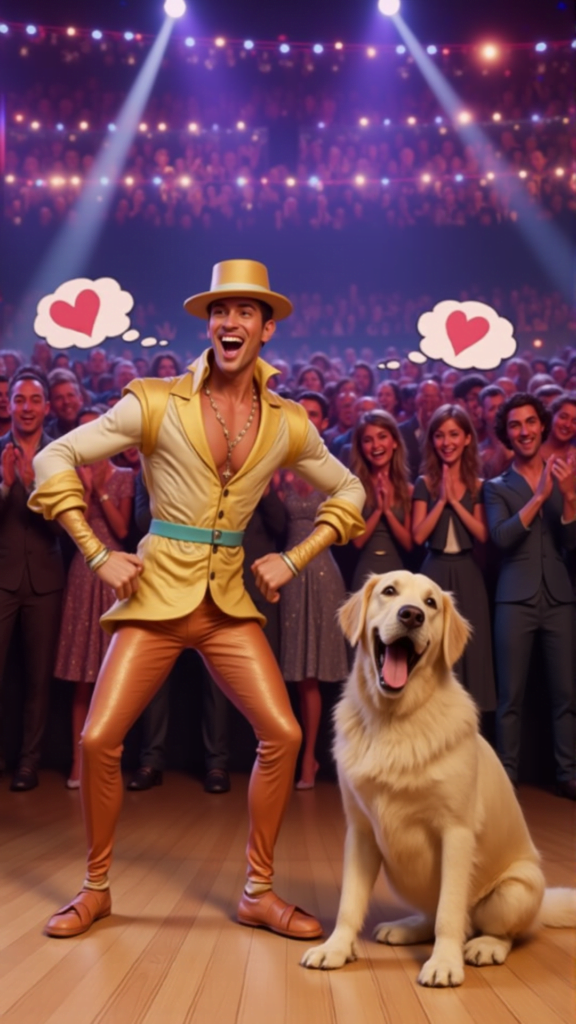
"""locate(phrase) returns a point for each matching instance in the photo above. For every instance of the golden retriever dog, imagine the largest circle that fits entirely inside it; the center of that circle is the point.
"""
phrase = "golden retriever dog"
(425, 795)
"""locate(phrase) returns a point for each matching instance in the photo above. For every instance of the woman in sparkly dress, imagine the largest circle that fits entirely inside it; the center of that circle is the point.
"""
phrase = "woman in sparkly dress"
(312, 648)
(83, 643)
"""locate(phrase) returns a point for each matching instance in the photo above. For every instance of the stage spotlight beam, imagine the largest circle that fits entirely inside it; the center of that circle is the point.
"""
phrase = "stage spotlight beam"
(70, 252)
(550, 247)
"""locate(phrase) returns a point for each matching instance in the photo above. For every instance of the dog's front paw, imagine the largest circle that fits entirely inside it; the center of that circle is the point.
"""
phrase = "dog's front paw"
(330, 955)
(441, 972)
(407, 932)
(486, 950)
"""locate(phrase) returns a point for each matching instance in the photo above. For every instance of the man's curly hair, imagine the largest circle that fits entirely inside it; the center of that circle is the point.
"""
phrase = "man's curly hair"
(516, 402)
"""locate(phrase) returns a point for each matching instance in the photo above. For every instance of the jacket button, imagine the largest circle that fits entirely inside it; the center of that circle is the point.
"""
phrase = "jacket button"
(220, 515)
(212, 575)
(215, 549)
(226, 493)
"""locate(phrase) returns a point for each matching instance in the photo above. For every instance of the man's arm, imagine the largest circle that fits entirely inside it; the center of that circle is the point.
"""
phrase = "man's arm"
(338, 519)
(505, 529)
(59, 493)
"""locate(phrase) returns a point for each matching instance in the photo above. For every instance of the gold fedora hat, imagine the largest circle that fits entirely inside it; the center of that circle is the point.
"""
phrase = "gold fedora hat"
(245, 279)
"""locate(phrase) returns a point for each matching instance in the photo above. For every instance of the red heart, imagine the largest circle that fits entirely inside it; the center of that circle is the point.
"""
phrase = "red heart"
(464, 332)
(81, 316)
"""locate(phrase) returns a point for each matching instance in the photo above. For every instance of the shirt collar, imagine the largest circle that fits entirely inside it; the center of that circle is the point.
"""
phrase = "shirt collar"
(190, 383)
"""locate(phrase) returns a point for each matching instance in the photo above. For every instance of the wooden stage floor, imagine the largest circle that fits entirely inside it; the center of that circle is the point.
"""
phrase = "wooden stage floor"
(172, 953)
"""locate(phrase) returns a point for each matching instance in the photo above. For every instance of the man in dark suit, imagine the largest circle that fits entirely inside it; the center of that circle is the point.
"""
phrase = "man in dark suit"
(428, 399)
(531, 511)
(31, 569)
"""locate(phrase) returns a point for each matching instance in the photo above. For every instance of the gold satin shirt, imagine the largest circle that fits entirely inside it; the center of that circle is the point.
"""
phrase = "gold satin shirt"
(184, 487)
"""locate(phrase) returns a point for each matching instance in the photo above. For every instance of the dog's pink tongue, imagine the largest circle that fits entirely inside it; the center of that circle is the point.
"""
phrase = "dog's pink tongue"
(395, 667)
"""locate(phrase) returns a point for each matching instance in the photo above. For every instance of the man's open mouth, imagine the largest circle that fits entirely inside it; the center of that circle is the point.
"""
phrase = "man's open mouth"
(395, 661)
(231, 344)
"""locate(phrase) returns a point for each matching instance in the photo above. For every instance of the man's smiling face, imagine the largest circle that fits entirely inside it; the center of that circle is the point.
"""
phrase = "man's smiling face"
(524, 429)
(237, 331)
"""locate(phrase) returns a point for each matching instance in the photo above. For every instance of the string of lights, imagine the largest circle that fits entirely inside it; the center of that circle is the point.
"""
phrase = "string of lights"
(162, 128)
(290, 182)
(485, 50)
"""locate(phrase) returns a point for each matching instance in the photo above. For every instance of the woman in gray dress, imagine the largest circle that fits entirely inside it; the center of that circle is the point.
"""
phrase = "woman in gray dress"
(379, 460)
(448, 515)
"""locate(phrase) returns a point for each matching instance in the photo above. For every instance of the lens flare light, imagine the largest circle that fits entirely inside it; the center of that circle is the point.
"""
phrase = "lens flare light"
(389, 7)
(489, 51)
(175, 8)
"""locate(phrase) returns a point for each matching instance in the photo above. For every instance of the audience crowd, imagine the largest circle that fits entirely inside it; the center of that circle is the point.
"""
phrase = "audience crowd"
(335, 179)
(422, 439)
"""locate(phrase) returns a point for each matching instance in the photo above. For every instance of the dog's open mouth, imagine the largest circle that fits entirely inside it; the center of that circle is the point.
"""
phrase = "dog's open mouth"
(395, 661)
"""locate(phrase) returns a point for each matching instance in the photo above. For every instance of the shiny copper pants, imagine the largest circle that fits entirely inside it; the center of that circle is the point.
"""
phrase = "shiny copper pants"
(138, 660)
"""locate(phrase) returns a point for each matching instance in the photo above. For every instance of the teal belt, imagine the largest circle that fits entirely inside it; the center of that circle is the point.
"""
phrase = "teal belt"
(196, 534)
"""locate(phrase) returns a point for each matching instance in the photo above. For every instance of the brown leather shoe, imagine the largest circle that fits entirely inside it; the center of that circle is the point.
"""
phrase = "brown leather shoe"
(78, 916)
(272, 912)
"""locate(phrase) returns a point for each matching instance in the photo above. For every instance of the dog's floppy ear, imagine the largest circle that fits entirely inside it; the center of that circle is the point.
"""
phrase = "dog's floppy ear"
(456, 632)
(352, 615)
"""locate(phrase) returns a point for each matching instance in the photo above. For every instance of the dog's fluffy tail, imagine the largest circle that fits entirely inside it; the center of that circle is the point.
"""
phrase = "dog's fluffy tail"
(558, 909)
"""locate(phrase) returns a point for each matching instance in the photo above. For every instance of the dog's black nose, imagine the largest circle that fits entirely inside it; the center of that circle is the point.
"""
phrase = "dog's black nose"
(410, 616)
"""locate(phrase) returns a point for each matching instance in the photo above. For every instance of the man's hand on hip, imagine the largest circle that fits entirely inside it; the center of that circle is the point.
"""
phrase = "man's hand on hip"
(121, 572)
(271, 573)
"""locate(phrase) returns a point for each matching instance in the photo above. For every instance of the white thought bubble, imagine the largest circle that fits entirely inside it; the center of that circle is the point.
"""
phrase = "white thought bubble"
(83, 313)
(466, 335)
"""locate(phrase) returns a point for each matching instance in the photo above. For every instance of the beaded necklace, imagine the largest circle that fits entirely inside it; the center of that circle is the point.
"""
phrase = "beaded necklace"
(227, 471)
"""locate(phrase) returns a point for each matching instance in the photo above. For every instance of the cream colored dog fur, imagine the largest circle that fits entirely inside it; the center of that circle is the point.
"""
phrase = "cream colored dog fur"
(425, 795)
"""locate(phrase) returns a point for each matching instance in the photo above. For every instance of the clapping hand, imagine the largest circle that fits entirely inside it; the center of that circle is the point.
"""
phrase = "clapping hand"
(9, 465)
(545, 483)
(384, 493)
(17, 466)
(447, 487)
(565, 475)
(24, 469)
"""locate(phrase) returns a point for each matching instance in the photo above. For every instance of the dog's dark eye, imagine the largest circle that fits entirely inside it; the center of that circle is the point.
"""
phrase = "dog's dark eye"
(389, 591)
(431, 602)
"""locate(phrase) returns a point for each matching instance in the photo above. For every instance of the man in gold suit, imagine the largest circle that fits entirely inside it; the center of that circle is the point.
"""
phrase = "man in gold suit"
(210, 441)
